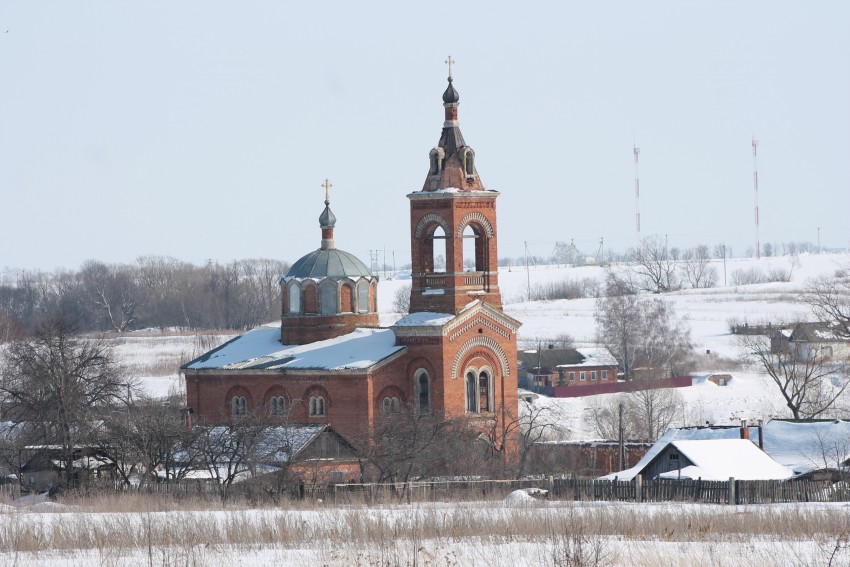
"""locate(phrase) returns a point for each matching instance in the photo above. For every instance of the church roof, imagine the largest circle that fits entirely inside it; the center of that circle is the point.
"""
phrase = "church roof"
(261, 349)
(332, 263)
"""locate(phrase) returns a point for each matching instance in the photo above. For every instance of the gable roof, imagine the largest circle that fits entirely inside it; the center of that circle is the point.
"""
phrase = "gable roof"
(552, 358)
(818, 333)
(425, 322)
(721, 459)
(803, 447)
(261, 349)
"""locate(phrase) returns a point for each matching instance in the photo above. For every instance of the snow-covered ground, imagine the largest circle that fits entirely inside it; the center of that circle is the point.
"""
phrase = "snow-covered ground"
(496, 534)
(155, 358)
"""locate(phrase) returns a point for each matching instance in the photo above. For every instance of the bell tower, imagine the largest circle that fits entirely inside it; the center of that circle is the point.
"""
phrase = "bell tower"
(453, 226)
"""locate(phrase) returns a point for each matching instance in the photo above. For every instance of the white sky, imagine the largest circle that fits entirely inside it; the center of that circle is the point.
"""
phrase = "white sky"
(205, 129)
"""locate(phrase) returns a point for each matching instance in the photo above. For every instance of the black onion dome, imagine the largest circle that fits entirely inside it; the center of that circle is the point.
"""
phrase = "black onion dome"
(327, 219)
(331, 263)
(450, 96)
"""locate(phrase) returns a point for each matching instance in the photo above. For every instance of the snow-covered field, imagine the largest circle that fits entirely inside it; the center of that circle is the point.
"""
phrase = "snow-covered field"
(507, 533)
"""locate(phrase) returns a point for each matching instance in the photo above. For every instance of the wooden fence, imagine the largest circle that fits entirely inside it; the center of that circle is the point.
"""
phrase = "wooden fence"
(709, 492)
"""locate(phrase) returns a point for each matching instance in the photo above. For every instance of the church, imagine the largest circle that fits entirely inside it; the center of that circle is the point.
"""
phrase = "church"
(330, 363)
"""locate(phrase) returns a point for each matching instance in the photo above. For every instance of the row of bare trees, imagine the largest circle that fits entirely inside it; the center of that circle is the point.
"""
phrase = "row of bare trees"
(155, 291)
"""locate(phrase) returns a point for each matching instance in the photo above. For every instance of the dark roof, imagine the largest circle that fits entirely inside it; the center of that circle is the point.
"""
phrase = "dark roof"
(332, 263)
(451, 94)
(818, 333)
(327, 219)
(550, 358)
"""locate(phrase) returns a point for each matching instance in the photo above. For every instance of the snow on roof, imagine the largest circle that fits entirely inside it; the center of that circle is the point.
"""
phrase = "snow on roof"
(721, 459)
(599, 356)
(261, 349)
(802, 447)
(424, 319)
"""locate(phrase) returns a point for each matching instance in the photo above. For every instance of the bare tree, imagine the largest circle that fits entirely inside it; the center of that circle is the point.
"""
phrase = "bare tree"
(652, 410)
(405, 443)
(401, 299)
(112, 293)
(147, 438)
(809, 378)
(60, 383)
(829, 298)
(655, 266)
(697, 268)
(536, 422)
(231, 451)
(647, 412)
(642, 331)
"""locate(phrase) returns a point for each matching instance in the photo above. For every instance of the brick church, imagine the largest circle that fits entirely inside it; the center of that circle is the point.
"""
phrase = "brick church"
(329, 361)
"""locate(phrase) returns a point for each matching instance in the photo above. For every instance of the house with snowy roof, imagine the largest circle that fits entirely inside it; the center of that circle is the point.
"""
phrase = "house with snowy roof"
(567, 367)
(329, 361)
(813, 449)
(808, 340)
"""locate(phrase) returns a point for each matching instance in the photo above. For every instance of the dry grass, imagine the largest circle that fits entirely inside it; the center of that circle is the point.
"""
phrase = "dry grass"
(167, 531)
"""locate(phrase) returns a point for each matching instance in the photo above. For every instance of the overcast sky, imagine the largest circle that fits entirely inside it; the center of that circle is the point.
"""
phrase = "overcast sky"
(203, 130)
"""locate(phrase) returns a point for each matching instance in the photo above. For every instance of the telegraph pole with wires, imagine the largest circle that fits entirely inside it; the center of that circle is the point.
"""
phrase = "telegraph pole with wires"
(756, 194)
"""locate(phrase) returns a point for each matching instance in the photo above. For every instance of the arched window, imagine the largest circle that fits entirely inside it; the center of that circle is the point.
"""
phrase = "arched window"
(484, 392)
(470, 243)
(346, 299)
(363, 296)
(479, 391)
(422, 388)
(239, 406)
(468, 162)
(277, 405)
(294, 298)
(328, 303)
(471, 397)
(390, 404)
(310, 299)
(438, 248)
(437, 155)
(317, 406)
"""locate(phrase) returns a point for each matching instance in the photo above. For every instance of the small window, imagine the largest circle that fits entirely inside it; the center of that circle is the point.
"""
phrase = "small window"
(277, 405)
(582, 376)
(317, 406)
(593, 375)
(572, 376)
(239, 405)
(604, 374)
(390, 405)
(674, 456)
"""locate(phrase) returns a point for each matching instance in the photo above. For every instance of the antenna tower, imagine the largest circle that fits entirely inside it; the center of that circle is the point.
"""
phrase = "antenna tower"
(636, 151)
(756, 194)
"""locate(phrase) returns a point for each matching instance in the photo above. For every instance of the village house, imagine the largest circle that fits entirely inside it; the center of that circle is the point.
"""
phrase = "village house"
(545, 369)
(810, 449)
(808, 340)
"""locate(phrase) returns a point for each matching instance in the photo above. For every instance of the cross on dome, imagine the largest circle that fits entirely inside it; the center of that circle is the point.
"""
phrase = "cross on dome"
(327, 185)
(449, 61)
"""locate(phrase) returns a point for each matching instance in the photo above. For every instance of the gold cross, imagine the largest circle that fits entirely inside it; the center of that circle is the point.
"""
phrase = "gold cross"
(327, 185)
(450, 62)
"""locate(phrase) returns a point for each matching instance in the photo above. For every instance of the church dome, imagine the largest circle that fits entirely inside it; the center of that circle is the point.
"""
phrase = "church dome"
(450, 96)
(330, 263)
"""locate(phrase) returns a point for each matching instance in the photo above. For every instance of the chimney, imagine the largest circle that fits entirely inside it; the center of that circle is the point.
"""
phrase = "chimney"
(745, 432)
(761, 434)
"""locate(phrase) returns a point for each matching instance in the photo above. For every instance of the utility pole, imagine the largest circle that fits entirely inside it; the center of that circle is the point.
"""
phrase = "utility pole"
(756, 194)
(636, 152)
(818, 240)
(527, 273)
